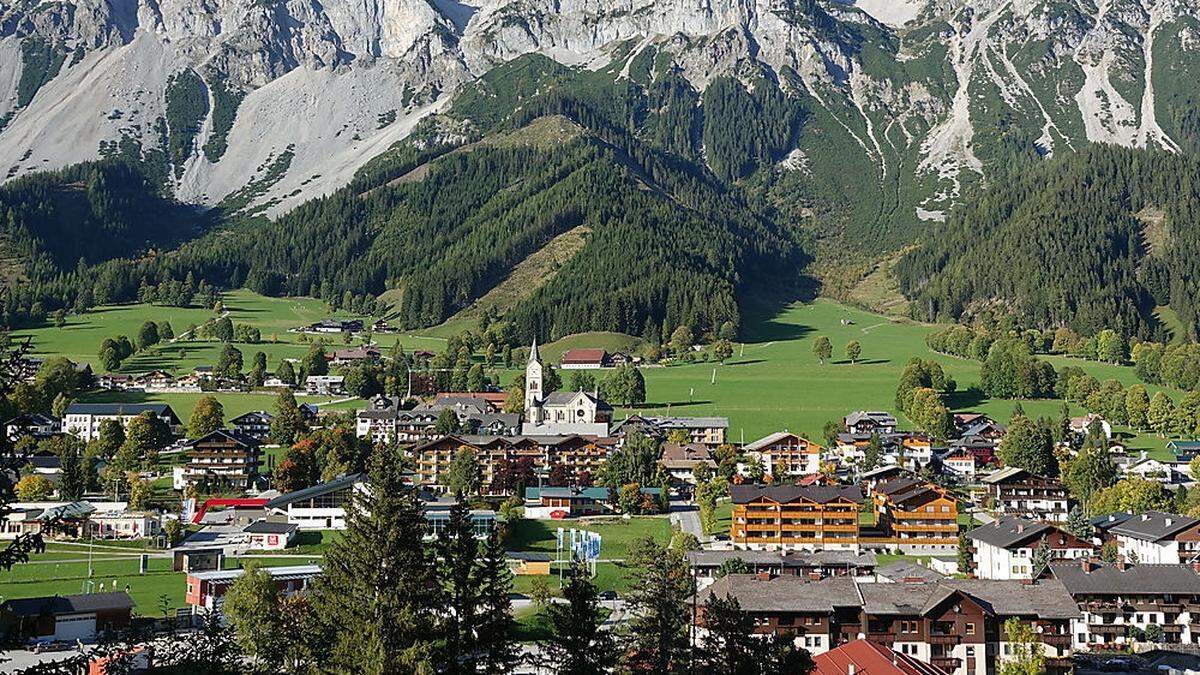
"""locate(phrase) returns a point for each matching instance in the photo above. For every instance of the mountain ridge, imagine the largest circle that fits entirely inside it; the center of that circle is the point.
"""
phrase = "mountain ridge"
(926, 106)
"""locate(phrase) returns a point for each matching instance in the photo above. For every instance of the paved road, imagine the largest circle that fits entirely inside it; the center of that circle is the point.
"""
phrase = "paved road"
(687, 517)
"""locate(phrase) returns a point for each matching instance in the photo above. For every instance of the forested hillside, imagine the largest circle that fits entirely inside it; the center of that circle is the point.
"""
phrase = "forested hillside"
(90, 213)
(1091, 240)
(444, 216)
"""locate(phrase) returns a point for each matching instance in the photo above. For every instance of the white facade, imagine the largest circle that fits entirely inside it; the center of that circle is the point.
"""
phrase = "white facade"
(995, 562)
(1164, 552)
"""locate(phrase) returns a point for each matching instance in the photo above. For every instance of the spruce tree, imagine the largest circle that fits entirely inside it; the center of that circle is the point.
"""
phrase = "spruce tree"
(497, 650)
(656, 637)
(457, 551)
(578, 643)
(74, 479)
(373, 608)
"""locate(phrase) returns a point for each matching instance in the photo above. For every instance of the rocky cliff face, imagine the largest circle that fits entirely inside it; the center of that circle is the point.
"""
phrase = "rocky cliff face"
(926, 94)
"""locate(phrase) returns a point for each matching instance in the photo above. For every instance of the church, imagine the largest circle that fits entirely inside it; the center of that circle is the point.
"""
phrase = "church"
(560, 412)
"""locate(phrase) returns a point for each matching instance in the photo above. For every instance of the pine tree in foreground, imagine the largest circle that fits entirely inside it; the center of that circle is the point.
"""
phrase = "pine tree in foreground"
(495, 628)
(374, 607)
(730, 647)
(656, 636)
(578, 643)
(457, 551)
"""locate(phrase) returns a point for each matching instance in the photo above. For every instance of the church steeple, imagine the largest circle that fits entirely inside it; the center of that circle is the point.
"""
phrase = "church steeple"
(533, 384)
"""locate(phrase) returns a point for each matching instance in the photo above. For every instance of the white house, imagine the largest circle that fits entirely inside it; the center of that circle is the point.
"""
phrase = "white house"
(320, 507)
(122, 524)
(325, 385)
(83, 419)
(264, 535)
(1158, 538)
(1005, 548)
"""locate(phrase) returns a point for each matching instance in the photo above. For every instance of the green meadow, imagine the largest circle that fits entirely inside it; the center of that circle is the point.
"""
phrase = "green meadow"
(773, 382)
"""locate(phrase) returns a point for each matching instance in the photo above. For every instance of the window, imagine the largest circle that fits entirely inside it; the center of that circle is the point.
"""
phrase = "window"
(970, 629)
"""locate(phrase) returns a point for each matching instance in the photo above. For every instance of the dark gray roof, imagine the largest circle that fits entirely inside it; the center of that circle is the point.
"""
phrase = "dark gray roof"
(118, 409)
(785, 593)
(1009, 531)
(235, 436)
(565, 397)
(527, 557)
(1153, 525)
(741, 494)
(69, 604)
(268, 527)
(1047, 599)
(900, 570)
(253, 417)
(327, 487)
(1109, 579)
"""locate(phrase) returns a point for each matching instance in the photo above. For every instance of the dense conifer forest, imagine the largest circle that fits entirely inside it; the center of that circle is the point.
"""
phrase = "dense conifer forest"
(1092, 240)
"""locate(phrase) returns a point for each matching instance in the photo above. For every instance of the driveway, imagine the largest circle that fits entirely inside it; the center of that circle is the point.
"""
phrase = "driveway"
(687, 517)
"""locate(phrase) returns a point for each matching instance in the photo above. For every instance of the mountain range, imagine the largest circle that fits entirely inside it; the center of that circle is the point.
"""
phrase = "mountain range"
(860, 122)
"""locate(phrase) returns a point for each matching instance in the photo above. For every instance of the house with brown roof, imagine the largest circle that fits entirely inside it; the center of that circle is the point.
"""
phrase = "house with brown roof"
(917, 515)
(811, 517)
(680, 460)
(584, 359)
(954, 624)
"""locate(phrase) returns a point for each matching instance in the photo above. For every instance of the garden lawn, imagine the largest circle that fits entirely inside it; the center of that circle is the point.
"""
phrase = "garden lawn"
(617, 534)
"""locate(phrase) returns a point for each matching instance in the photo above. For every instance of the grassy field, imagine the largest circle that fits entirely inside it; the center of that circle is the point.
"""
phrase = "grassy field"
(45, 575)
(617, 535)
(79, 340)
(774, 382)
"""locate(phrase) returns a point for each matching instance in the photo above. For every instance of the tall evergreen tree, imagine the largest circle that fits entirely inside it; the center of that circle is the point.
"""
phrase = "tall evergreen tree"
(656, 637)
(74, 478)
(373, 608)
(457, 551)
(495, 643)
(578, 643)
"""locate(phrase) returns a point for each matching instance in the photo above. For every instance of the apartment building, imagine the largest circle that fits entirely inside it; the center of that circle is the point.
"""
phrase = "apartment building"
(1005, 548)
(795, 517)
(918, 516)
(83, 420)
(1013, 491)
(954, 624)
(786, 454)
(1155, 537)
(222, 459)
(577, 454)
(1122, 603)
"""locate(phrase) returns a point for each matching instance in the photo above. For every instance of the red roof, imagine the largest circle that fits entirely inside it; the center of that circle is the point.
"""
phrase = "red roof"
(870, 658)
(584, 356)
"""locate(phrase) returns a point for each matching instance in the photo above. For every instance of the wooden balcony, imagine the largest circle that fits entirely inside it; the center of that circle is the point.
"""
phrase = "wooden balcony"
(943, 639)
(946, 663)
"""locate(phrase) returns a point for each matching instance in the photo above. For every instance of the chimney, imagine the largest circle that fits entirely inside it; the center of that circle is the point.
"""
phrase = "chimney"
(1145, 517)
(1168, 522)
(1020, 528)
(1196, 566)
(1121, 565)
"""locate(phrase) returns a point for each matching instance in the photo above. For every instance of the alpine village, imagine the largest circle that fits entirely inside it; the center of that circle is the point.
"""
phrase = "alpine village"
(599, 337)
